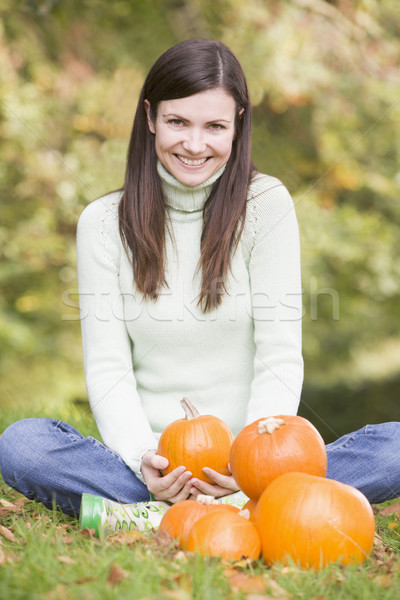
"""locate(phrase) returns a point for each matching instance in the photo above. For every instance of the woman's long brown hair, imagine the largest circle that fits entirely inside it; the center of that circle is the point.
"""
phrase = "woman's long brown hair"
(186, 69)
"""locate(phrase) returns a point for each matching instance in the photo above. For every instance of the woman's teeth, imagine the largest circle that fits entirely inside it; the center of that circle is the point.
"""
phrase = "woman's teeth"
(192, 163)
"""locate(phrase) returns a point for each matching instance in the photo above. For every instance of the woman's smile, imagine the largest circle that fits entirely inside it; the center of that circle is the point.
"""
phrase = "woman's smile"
(192, 162)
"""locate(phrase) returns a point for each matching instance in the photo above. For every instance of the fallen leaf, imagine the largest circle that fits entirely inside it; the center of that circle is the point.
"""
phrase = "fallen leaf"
(166, 544)
(242, 583)
(7, 533)
(178, 594)
(67, 560)
(8, 505)
(181, 556)
(259, 597)
(377, 539)
(229, 572)
(58, 593)
(243, 563)
(384, 580)
(83, 580)
(337, 577)
(67, 539)
(126, 537)
(384, 556)
(88, 532)
(390, 510)
(3, 557)
(184, 580)
(43, 518)
(163, 538)
(8, 508)
(277, 590)
(116, 574)
(289, 570)
(20, 502)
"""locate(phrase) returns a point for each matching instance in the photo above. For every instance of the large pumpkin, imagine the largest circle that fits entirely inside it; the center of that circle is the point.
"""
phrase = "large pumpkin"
(180, 517)
(270, 447)
(313, 521)
(196, 441)
(225, 534)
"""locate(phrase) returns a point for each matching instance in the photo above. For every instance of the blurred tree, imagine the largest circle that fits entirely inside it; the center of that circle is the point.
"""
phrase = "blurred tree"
(325, 85)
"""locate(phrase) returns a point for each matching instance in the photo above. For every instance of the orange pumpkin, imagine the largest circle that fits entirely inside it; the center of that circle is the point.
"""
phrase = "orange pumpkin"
(225, 534)
(314, 521)
(180, 517)
(196, 441)
(251, 507)
(270, 447)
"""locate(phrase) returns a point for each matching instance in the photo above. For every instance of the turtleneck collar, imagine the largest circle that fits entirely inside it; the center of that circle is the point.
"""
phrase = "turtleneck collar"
(185, 198)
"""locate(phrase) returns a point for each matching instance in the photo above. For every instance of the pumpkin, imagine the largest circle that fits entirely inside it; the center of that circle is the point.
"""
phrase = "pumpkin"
(196, 441)
(314, 521)
(225, 534)
(270, 447)
(180, 517)
(251, 507)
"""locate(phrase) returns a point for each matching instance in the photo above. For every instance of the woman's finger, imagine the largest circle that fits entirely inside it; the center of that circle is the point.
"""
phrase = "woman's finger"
(225, 481)
(210, 490)
(170, 488)
(183, 494)
(159, 462)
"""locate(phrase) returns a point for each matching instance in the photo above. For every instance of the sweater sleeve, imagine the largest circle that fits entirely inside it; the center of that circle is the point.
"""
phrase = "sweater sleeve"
(272, 250)
(107, 348)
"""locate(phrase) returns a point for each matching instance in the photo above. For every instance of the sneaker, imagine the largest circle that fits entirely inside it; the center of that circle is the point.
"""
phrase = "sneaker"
(106, 516)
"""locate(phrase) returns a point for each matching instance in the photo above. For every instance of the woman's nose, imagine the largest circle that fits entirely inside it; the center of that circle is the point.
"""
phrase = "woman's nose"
(194, 142)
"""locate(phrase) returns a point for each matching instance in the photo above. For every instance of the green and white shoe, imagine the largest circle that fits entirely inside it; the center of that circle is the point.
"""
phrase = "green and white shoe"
(106, 516)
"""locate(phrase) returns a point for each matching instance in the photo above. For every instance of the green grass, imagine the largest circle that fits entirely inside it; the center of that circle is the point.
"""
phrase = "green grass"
(50, 558)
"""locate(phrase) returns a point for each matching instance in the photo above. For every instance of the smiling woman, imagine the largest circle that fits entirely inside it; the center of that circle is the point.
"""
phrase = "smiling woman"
(184, 280)
(193, 136)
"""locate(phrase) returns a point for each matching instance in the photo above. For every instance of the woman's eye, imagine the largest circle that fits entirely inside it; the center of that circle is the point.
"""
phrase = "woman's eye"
(216, 126)
(175, 122)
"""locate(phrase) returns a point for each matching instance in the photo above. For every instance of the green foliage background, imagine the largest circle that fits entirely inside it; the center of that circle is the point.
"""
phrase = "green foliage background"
(325, 84)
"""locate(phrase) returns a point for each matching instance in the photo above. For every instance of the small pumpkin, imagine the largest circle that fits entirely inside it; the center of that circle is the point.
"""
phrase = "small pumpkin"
(180, 517)
(225, 534)
(196, 441)
(251, 507)
(314, 521)
(272, 446)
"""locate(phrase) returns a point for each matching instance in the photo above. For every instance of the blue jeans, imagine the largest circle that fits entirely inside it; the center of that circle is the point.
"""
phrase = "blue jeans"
(51, 462)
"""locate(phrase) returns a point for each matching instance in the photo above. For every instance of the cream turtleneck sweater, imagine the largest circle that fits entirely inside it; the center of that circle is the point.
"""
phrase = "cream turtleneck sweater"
(241, 362)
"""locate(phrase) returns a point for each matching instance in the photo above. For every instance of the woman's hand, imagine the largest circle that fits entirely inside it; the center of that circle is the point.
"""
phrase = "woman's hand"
(172, 487)
(224, 484)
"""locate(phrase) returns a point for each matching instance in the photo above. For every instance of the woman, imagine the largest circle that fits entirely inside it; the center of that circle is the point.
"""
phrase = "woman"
(189, 286)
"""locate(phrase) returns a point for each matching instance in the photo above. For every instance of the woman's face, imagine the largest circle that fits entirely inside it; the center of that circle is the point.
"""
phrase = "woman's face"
(194, 135)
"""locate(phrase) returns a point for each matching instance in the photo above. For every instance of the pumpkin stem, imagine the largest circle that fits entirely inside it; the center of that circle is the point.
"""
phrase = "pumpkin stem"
(204, 499)
(269, 425)
(190, 411)
(244, 513)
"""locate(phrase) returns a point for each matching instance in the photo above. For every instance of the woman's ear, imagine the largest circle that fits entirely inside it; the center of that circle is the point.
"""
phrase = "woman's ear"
(149, 120)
